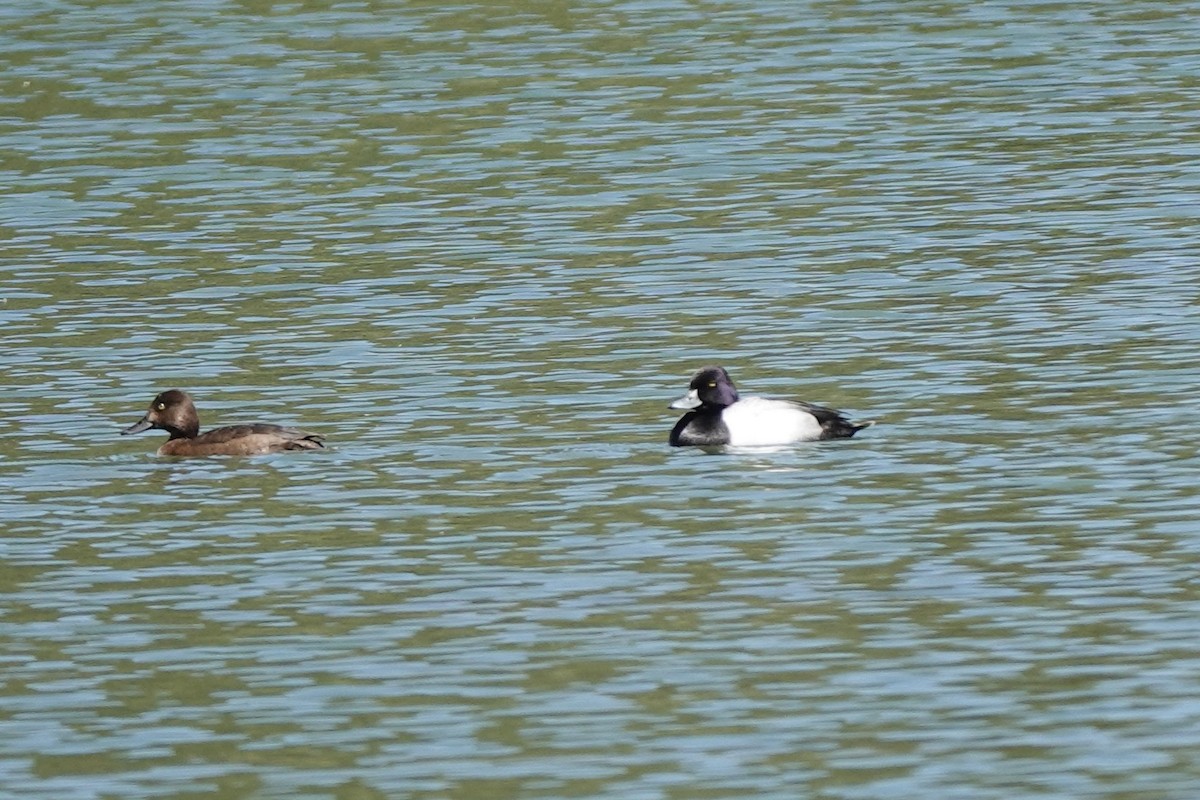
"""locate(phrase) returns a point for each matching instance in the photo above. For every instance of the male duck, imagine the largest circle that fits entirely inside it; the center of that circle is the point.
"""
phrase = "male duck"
(174, 412)
(717, 416)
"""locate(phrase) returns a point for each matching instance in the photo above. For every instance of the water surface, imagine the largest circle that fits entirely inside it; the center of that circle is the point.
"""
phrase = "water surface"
(481, 246)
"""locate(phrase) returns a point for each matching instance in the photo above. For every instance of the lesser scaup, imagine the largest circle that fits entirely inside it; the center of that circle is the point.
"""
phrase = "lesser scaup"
(174, 412)
(717, 416)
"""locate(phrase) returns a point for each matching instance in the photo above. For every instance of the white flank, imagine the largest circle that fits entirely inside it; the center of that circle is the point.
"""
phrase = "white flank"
(760, 422)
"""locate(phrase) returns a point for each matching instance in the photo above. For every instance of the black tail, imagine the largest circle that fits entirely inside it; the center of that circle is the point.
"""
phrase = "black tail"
(833, 424)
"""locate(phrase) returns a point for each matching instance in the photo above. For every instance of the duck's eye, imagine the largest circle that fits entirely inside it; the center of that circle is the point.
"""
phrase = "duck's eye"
(162, 406)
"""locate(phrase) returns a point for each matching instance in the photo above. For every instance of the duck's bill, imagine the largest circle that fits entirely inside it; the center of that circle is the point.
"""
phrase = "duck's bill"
(137, 427)
(689, 400)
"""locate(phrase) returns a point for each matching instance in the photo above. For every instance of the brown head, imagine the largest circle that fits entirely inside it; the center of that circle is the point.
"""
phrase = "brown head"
(173, 412)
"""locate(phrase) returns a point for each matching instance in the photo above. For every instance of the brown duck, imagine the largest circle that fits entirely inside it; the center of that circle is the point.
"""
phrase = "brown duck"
(173, 412)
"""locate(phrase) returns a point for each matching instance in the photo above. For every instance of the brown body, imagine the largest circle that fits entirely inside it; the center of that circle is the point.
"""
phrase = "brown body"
(174, 412)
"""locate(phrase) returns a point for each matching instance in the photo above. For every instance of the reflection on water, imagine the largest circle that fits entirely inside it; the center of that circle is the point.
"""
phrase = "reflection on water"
(480, 249)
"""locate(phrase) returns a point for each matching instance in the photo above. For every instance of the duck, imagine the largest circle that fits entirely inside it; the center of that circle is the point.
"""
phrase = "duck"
(717, 415)
(174, 411)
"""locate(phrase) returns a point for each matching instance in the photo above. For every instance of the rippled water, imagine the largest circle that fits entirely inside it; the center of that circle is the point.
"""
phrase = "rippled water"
(481, 246)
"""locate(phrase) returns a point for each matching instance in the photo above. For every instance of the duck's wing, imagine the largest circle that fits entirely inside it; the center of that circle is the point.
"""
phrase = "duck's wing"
(834, 424)
(260, 437)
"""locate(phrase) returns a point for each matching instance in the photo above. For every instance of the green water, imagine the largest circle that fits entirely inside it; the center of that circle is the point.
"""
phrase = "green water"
(481, 247)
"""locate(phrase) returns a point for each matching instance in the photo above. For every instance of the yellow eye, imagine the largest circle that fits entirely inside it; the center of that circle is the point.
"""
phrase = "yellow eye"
(712, 385)
(162, 406)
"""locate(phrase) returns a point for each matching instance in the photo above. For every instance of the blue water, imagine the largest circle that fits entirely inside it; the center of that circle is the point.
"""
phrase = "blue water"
(481, 247)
